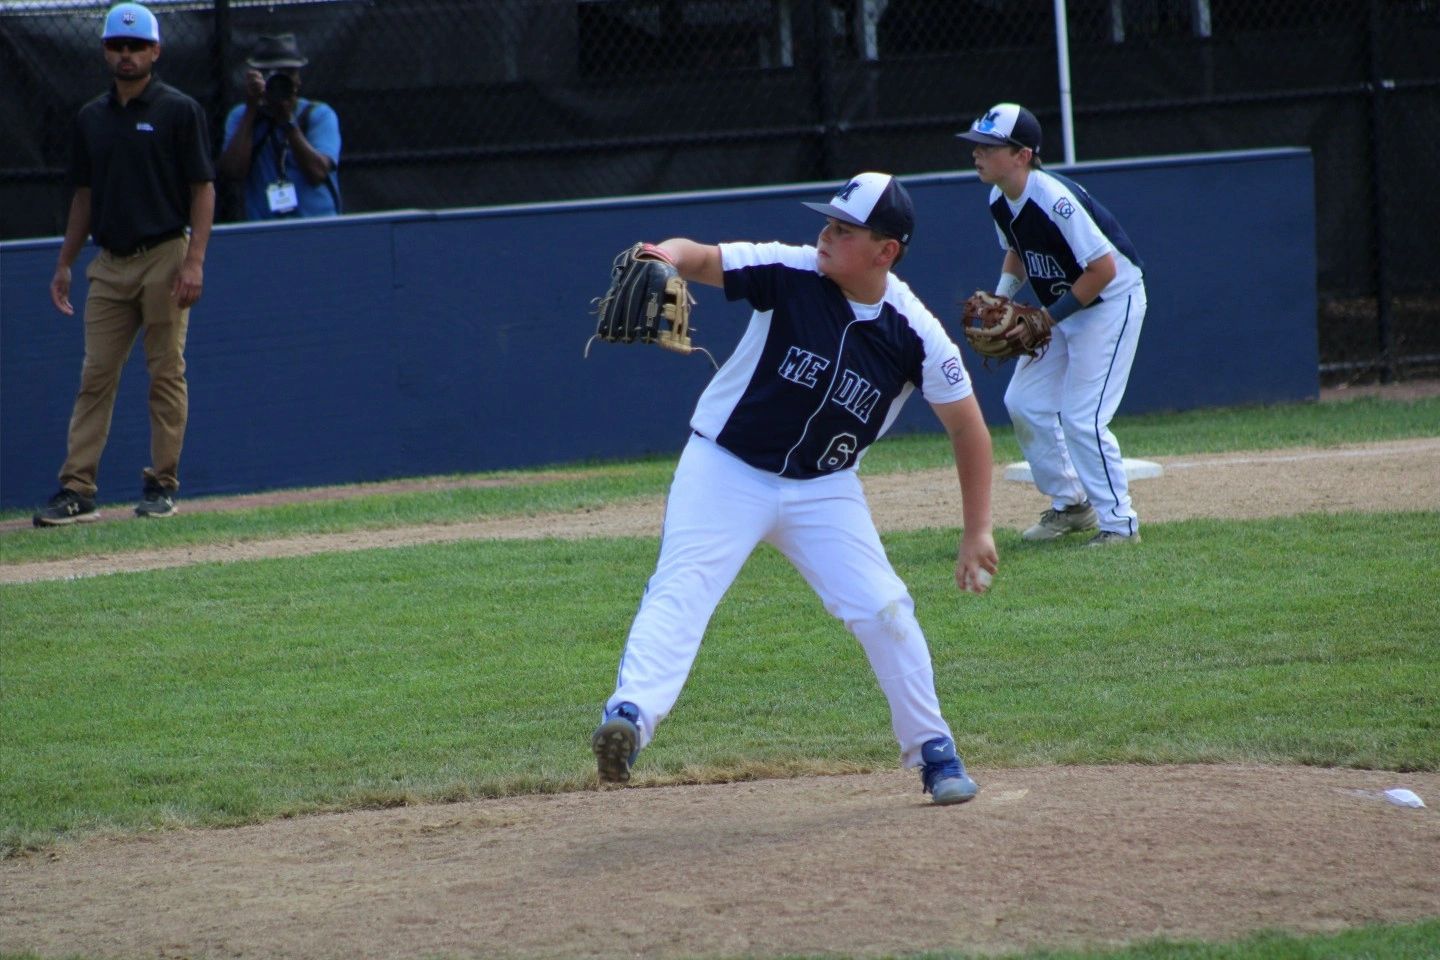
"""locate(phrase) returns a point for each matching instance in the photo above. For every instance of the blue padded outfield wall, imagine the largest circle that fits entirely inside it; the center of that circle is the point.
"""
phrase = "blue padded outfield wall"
(418, 343)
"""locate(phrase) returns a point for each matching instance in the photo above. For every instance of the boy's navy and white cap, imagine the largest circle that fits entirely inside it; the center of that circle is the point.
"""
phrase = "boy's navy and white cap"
(1005, 124)
(874, 200)
(131, 21)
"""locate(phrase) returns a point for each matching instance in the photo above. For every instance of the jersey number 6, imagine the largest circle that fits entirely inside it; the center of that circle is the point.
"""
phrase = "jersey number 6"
(840, 453)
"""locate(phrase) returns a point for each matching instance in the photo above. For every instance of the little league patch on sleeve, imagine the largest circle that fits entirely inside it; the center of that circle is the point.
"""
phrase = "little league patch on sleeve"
(951, 369)
(1064, 208)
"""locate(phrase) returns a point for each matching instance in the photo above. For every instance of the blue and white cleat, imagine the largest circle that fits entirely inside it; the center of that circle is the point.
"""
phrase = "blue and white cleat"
(616, 743)
(944, 775)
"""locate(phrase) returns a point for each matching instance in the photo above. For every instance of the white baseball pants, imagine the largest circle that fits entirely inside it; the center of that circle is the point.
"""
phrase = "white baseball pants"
(719, 510)
(1062, 402)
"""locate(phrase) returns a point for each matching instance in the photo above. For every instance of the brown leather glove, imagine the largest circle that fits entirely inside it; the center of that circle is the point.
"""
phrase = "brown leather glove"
(998, 328)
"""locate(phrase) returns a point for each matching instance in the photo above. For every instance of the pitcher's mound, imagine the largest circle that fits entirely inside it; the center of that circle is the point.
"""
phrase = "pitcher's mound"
(849, 865)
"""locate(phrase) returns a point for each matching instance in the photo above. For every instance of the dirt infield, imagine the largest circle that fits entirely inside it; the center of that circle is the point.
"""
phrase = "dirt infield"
(856, 865)
(1384, 477)
(1381, 477)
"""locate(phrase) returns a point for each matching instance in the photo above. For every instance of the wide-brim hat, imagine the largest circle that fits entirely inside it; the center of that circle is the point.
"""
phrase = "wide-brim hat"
(1005, 124)
(275, 52)
(876, 201)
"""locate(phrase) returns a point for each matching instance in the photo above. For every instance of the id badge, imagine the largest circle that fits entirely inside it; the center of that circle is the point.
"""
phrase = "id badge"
(281, 196)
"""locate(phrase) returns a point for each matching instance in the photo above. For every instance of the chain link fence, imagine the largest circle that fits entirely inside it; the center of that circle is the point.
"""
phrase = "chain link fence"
(450, 103)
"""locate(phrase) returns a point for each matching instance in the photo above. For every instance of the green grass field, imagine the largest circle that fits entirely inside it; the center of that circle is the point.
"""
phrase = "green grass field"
(226, 694)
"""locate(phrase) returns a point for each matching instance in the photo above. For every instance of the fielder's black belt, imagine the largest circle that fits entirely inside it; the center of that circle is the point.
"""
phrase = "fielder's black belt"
(146, 243)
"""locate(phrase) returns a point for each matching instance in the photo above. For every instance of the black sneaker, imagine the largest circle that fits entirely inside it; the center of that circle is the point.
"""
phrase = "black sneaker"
(66, 507)
(157, 500)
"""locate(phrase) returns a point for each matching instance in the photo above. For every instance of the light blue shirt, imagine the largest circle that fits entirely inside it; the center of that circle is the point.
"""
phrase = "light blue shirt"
(322, 129)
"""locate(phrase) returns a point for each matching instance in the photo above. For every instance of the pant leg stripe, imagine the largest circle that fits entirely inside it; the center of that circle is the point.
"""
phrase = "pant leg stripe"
(1110, 480)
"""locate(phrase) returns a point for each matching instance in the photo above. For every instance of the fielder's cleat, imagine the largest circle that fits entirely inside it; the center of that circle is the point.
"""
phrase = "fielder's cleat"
(616, 743)
(156, 500)
(1112, 538)
(943, 774)
(1054, 524)
(66, 507)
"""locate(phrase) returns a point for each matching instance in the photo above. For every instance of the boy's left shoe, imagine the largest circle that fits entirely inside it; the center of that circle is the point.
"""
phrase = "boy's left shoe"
(156, 501)
(943, 774)
(616, 743)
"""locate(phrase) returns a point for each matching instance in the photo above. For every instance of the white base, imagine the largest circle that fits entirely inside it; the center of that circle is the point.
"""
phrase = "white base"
(1134, 470)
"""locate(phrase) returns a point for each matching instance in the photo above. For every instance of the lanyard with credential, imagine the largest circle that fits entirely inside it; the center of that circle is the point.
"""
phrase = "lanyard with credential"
(280, 195)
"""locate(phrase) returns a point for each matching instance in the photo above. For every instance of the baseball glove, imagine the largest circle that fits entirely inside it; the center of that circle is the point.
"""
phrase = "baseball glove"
(648, 302)
(998, 328)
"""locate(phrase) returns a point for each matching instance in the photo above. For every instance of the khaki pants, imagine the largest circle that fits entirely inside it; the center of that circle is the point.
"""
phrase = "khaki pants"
(128, 295)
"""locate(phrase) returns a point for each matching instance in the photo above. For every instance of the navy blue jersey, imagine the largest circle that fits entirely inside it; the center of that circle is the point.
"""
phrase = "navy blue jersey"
(817, 378)
(1056, 228)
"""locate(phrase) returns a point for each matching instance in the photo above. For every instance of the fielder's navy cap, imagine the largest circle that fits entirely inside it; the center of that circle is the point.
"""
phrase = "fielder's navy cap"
(131, 21)
(1005, 124)
(874, 200)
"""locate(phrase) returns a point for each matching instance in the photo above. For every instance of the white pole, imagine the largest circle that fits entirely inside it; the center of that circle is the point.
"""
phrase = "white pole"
(1062, 45)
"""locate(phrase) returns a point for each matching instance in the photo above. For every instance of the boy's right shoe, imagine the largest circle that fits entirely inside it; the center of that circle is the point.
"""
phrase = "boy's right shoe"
(1054, 524)
(66, 507)
(943, 774)
(616, 743)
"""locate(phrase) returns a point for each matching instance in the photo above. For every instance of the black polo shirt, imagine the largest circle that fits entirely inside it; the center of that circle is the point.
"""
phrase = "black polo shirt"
(139, 161)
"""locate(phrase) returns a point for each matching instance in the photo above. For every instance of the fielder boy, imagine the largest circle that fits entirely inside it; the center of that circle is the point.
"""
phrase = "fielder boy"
(1085, 272)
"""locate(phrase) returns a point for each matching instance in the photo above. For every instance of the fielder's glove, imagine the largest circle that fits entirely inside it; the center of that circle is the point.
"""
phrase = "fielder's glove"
(648, 302)
(998, 328)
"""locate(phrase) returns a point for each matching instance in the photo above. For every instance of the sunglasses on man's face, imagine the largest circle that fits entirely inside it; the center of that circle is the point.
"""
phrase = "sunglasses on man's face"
(127, 46)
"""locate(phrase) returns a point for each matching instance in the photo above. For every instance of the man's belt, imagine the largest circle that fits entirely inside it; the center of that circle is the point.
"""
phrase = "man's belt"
(146, 243)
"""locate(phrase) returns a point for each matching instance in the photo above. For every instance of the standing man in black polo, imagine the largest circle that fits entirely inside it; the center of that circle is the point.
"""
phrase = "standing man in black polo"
(142, 174)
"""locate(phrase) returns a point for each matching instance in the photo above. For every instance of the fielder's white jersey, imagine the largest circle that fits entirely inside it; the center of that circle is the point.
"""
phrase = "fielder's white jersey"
(1056, 228)
(818, 378)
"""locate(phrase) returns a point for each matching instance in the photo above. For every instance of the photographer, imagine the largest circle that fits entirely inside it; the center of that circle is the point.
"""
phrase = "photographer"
(283, 148)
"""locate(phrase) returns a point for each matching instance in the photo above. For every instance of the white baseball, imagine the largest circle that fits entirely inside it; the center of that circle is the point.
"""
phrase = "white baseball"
(982, 579)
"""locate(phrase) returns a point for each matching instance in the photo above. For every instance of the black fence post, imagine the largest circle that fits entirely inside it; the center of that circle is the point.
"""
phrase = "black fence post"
(220, 50)
(1378, 87)
(221, 45)
(823, 38)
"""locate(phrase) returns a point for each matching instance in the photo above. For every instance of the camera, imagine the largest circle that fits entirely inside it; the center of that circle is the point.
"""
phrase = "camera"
(279, 87)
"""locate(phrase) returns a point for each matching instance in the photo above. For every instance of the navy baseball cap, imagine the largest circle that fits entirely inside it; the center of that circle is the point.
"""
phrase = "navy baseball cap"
(131, 21)
(876, 201)
(1005, 124)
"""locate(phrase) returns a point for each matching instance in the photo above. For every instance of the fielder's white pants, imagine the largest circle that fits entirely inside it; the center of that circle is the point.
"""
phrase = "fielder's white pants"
(1061, 405)
(719, 510)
